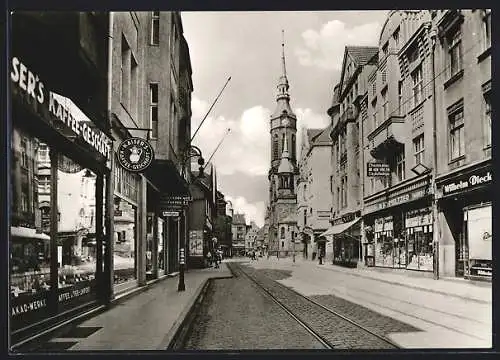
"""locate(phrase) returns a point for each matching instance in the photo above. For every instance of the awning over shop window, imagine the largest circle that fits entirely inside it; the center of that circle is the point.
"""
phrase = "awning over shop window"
(340, 228)
(164, 175)
(29, 233)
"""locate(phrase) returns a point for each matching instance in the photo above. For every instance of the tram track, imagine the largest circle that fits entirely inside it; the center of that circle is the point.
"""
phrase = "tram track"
(331, 328)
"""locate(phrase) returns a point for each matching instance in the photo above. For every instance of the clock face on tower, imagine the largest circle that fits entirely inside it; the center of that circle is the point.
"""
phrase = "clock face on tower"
(286, 122)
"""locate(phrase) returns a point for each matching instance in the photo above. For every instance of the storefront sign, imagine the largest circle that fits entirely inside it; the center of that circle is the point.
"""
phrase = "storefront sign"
(410, 196)
(174, 203)
(135, 154)
(196, 242)
(377, 169)
(418, 218)
(346, 218)
(170, 213)
(26, 307)
(33, 87)
(471, 181)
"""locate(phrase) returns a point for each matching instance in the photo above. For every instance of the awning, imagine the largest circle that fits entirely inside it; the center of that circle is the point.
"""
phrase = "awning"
(164, 175)
(340, 228)
(29, 233)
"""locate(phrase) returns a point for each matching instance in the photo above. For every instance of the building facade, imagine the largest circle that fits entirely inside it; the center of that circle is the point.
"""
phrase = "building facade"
(314, 190)
(346, 113)
(464, 168)
(251, 237)
(238, 230)
(61, 169)
(283, 170)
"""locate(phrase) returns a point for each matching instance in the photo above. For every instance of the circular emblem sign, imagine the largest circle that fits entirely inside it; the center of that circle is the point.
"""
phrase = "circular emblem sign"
(135, 154)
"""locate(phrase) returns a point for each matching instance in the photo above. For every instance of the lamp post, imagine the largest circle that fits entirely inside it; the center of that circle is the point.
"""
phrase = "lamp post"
(191, 151)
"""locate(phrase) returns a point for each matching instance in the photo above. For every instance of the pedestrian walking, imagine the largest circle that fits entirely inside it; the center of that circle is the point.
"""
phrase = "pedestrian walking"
(209, 258)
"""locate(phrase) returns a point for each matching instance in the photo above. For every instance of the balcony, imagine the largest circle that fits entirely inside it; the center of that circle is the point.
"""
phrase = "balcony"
(388, 137)
(349, 114)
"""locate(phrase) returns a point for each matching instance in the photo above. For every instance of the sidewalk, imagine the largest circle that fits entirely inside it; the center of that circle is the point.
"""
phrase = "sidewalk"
(147, 321)
(460, 288)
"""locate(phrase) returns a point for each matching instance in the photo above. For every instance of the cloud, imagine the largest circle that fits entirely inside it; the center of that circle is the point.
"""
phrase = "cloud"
(307, 118)
(253, 211)
(245, 148)
(325, 48)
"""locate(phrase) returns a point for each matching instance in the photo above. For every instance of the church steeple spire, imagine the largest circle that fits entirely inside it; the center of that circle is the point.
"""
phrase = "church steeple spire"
(283, 81)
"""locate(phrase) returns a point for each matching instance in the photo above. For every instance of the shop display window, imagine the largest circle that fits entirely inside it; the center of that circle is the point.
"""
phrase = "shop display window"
(125, 241)
(76, 230)
(149, 243)
(161, 246)
(30, 228)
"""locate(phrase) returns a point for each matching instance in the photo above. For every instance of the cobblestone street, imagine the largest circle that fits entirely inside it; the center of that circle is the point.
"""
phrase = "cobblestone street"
(236, 315)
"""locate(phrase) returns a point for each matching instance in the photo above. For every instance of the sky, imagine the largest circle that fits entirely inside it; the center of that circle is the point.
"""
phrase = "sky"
(246, 46)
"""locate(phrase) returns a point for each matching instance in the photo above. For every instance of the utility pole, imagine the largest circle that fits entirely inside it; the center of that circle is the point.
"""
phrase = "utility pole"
(435, 215)
(208, 112)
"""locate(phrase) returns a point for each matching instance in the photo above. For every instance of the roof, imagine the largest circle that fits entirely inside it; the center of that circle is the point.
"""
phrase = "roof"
(323, 138)
(362, 54)
(312, 133)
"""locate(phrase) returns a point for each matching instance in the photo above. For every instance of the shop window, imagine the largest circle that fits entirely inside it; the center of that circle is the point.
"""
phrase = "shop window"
(76, 232)
(400, 165)
(419, 149)
(456, 131)
(487, 117)
(153, 109)
(30, 233)
(455, 52)
(417, 81)
(124, 251)
(155, 27)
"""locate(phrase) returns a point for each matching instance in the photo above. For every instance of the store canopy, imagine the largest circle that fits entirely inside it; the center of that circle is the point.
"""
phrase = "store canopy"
(29, 233)
(165, 175)
(339, 228)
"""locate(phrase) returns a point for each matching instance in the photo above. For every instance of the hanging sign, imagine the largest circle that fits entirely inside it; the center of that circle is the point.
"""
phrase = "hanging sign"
(135, 154)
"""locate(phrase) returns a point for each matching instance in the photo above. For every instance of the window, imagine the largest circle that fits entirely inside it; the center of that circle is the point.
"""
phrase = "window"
(331, 184)
(338, 197)
(385, 106)
(293, 147)
(457, 141)
(344, 191)
(384, 75)
(455, 52)
(400, 96)
(400, 165)
(125, 69)
(395, 36)
(305, 191)
(374, 111)
(275, 147)
(155, 28)
(419, 149)
(153, 109)
(133, 87)
(282, 233)
(486, 28)
(282, 244)
(385, 49)
(416, 77)
(374, 88)
(487, 117)
(305, 217)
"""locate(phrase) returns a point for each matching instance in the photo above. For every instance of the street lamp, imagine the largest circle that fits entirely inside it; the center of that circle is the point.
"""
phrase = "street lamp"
(191, 151)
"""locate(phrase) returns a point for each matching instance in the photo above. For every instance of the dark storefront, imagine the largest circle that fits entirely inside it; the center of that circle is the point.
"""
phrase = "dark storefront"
(59, 157)
(399, 227)
(344, 237)
(60, 168)
(466, 212)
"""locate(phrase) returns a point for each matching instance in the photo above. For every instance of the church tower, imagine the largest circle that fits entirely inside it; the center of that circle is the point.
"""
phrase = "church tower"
(283, 171)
